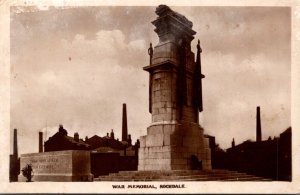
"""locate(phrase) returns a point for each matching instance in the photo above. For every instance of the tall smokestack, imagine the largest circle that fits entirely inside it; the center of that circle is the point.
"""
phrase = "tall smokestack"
(124, 124)
(15, 143)
(258, 125)
(40, 141)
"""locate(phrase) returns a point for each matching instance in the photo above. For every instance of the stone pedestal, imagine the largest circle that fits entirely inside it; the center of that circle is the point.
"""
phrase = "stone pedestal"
(69, 165)
(170, 147)
(174, 134)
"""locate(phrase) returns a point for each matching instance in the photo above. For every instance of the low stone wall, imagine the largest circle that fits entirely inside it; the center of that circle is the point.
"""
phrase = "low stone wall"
(69, 165)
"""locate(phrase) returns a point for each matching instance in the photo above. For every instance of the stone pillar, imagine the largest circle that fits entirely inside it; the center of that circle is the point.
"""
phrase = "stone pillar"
(124, 124)
(258, 125)
(40, 141)
(174, 135)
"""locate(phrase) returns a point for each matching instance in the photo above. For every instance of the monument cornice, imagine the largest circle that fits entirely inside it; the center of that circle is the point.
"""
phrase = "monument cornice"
(165, 64)
(170, 24)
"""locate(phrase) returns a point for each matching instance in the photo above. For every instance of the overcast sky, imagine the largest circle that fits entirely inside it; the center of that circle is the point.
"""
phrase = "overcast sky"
(77, 66)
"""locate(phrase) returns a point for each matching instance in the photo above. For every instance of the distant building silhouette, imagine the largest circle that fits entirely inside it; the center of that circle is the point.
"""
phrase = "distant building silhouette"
(269, 158)
(108, 154)
(61, 141)
(285, 155)
(266, 158)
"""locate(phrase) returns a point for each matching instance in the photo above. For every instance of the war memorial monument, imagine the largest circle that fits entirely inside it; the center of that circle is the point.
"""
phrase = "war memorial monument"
(175, 98)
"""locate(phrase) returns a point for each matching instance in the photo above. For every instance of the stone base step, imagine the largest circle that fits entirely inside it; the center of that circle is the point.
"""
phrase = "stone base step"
(174, 171)
(180, 175)
(176, 177)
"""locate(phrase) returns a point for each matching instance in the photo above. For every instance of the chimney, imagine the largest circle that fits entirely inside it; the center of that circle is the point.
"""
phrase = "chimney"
(124, 124)
(76, 137)
(62, 130)
(258, 125)
(112, 135)
(136, 147)
(233, 143)
(15, 149)
(129, 140)
(40, 142)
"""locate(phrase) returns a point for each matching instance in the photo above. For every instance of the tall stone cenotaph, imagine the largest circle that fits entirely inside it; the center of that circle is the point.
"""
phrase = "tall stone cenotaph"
(174, 138)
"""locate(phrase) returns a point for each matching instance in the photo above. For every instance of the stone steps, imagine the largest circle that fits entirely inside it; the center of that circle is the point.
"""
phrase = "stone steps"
(170, 174)
(174, 171)
(166, 177)
(254, 178)
(180, 175)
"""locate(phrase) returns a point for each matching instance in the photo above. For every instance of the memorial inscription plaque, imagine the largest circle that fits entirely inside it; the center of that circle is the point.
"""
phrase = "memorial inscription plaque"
(70, 165)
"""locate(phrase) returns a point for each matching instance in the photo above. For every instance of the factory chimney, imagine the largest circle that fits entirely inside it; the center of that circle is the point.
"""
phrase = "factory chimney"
(258, 125)
(40, 142)
(124, 124)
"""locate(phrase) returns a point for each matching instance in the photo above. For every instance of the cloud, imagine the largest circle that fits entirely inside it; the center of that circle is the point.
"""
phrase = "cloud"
(108, 45)
(48, 77)
(237, 87)
(77, 66)
(82, 86)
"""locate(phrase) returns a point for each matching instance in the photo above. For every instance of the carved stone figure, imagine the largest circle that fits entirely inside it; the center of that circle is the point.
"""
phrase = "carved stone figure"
(150, 52)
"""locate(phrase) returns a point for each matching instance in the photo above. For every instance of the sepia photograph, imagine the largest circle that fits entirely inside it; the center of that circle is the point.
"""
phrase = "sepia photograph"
(157, 97)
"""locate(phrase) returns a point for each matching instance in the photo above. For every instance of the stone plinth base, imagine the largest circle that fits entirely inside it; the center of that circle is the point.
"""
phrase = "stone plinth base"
(69, 165)
(171, 146)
